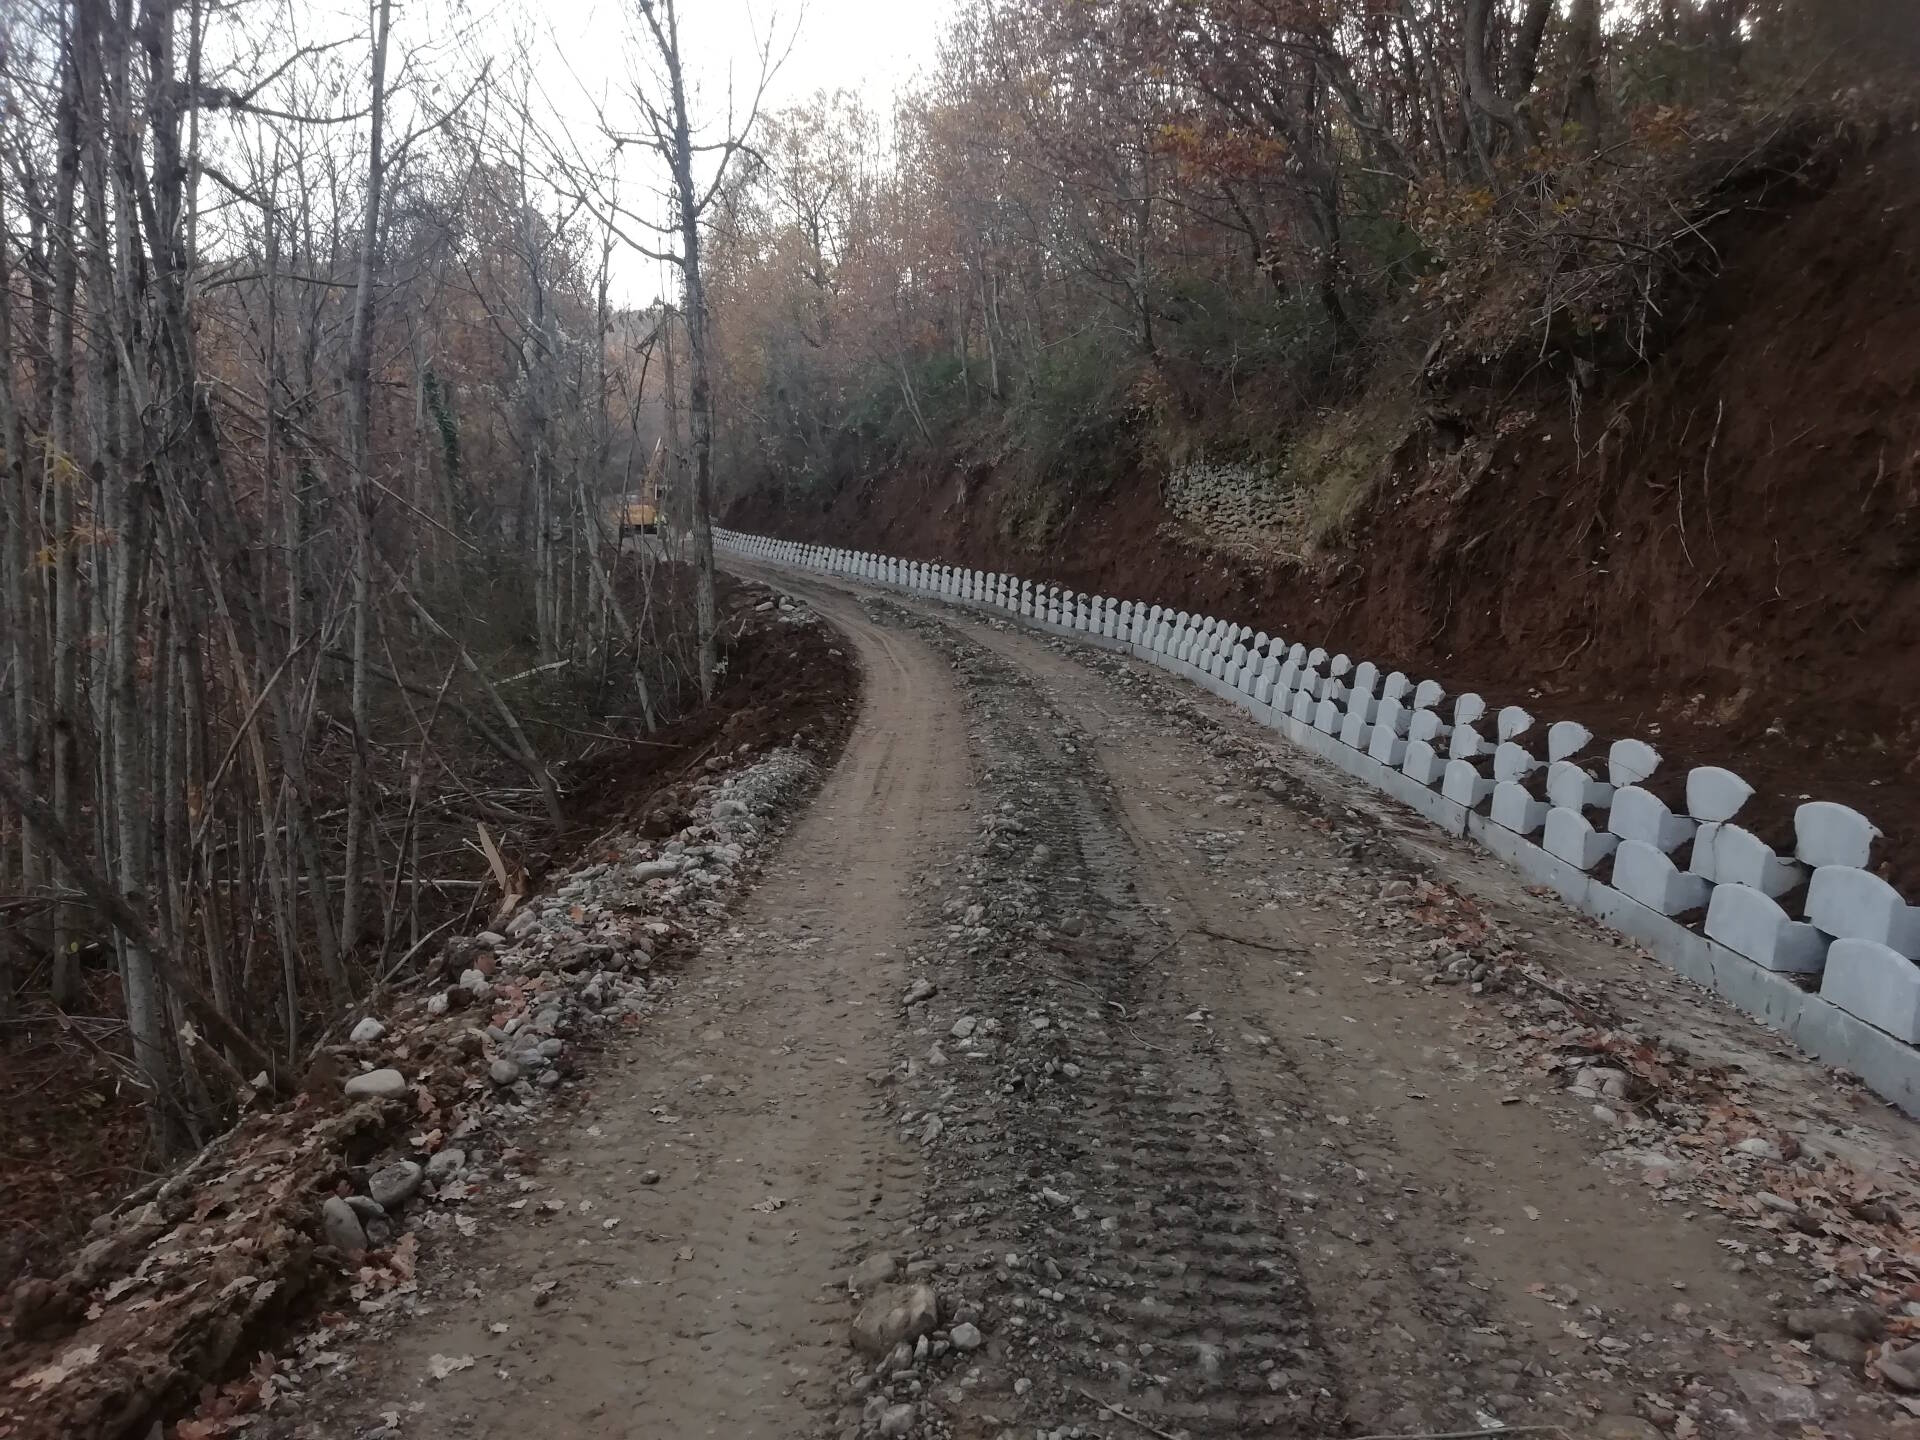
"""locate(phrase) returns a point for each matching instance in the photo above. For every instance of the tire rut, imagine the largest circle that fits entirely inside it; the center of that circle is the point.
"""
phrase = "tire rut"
(1095, 1197)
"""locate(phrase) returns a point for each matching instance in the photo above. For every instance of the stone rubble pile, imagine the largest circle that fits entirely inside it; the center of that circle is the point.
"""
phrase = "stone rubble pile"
(397, 1126)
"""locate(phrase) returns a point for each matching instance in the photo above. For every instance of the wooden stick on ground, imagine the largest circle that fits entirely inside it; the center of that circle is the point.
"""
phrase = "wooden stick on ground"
(1128, 1416)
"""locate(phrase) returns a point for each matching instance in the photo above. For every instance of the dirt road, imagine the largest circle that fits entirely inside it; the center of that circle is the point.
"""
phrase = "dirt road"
(1213, 1098)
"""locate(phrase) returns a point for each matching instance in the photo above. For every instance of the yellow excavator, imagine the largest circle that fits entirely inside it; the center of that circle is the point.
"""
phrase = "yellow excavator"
(642, 512)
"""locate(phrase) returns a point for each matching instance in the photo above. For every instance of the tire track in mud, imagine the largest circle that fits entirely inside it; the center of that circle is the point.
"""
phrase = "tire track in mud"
(1095, 1197)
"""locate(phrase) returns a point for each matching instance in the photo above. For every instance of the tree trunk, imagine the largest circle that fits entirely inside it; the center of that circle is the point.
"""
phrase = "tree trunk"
(700, 381)
(360, 501)
(16, 514)
(62, 475)
(1583, 96)
(1482, 93)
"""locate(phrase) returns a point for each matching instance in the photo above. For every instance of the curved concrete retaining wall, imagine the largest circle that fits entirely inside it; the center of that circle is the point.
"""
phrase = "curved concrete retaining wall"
(1768, 925)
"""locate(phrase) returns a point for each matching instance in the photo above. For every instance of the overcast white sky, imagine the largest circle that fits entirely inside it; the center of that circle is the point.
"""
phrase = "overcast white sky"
(579, 56)
(874, 47)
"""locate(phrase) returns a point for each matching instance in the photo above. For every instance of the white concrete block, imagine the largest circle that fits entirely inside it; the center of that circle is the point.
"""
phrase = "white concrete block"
(1852, 904)
(1303, 707)
(1466, 742)
(1728, 855)
(1570, 786)
(1512, 723)
(1388, 748)
(1427, 725)
(1464, 785)
(1641, 815)
(1513, 762)
(1752, 924)
(1829, 834)
(1395, 714)
(1263, 688)
(1327, 716)
(1428, 694)
(1468, 709)
(1423, 764)
(1874, 984)
(1356, 723)
(1715, 794)
(1571, 837)
(1395, 687)
(1642, 872)
(1631, 761)
(1516, 810)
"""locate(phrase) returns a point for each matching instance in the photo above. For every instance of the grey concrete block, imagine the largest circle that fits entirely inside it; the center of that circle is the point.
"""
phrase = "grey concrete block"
(1631, 761)
(1466, 742)
(1852, 904)
(1752, 924)
(1829, 834)
(1874, 984)
(1569, 836)
(1513, 762)
(1641, 815)
(1423, 764)
(1727, 855)
(1516, 810)
(1646, 873)
(1572, 788)
(1464, 785)
(1385, 745)
(1715, 794)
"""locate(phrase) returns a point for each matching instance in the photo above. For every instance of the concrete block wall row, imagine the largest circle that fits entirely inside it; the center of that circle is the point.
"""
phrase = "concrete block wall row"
(1767, 925)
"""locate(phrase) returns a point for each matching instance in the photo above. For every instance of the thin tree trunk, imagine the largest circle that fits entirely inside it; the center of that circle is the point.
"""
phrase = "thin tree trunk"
(700, 381)
(16, 512)
(62, 474)
(64, 848)
(360, 501)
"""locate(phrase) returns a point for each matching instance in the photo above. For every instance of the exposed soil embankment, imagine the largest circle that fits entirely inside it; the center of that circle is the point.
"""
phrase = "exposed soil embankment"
(1719, 550)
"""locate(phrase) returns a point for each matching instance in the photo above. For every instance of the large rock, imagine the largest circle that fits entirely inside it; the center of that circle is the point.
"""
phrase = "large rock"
(341, 1226)
(378, 1085)
(905, 1312)
(393, 1185)
(873, 1272)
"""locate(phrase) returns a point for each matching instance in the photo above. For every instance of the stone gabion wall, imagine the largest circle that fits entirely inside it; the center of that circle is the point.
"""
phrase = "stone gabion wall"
(1768, 926)
(1240, 507)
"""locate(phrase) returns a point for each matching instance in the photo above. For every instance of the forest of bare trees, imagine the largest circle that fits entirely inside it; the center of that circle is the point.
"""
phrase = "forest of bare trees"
(1098, 227)
(318, 407)
(319, 394)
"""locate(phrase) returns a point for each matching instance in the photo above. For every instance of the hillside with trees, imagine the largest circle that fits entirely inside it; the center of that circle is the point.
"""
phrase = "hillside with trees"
(1553, 348)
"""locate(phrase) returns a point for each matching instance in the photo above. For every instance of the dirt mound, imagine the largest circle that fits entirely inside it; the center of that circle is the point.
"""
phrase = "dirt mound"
(1718, 551)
